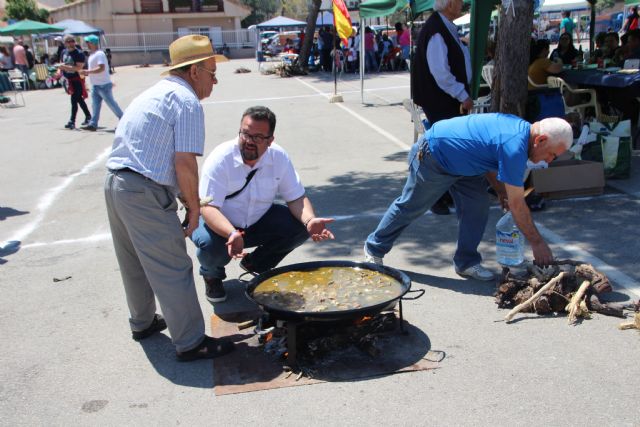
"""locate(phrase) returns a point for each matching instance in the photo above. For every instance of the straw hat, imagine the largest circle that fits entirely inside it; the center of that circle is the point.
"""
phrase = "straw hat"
(189, 50)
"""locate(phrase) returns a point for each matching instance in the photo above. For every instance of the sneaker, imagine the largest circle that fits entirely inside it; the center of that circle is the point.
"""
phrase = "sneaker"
(371, 258)
(440, 208)
(215, 290)
(209, 348)
(90, 128)
(157, 325)
(86, 122)
(477, 272)
(70, 125)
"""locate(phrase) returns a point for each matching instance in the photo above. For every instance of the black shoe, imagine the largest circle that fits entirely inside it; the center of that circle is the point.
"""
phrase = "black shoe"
(440, 208)
(215, 290)
(90, 128)
(157, 325)
(70, 125)
(209, 348)
(86, 122)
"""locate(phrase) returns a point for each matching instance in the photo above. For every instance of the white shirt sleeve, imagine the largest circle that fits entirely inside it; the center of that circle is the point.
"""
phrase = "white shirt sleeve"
(439, 66)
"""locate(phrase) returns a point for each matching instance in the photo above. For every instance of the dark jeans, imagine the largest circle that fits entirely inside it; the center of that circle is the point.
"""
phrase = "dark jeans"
(275, 234)
(77, 99)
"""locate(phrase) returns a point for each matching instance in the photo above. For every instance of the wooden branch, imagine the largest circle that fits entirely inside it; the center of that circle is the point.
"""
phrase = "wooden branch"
(535, 296)
(631, 325)
(574, 307)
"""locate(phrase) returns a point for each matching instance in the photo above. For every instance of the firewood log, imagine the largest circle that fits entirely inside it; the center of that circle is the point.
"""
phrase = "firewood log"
(575, 308)
(535, 296)
(594, 304)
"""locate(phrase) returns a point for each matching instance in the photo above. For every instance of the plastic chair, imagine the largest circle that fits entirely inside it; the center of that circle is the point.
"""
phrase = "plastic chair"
(416, 117)
(481, 105)
(581, 108)
(536, 85)
(42, 74)
(10, 91)
(18, 79)
(487, 75)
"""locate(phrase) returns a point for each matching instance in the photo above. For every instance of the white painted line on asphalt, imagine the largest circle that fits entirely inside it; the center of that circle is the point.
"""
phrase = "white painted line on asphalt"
(284, 98)
(372, 125)
(90, 239)
(47, 200)
(615, 275)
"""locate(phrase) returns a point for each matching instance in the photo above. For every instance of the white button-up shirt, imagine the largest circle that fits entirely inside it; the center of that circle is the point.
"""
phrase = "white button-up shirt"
(437, 54)
(224, 172)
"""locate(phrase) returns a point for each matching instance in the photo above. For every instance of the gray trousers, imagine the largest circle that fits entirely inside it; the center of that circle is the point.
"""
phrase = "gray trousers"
(151, 251)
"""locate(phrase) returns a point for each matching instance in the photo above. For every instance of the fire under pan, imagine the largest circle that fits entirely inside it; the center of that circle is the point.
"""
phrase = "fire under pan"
(250, 368)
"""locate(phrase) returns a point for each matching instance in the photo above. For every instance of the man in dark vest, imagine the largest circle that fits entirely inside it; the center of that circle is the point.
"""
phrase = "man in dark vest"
(442, 71)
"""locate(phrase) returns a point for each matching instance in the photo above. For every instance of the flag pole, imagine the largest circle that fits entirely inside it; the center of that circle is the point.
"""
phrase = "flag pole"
(336, 97)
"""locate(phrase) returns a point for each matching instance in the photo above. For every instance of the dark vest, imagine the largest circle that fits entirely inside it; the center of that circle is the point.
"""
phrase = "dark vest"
(436, 103)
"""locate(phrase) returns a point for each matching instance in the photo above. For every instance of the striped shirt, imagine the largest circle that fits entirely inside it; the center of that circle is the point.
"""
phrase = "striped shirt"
(165, 119)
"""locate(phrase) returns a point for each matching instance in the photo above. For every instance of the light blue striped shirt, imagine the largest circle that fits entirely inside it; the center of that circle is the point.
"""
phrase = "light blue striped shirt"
(165, 119)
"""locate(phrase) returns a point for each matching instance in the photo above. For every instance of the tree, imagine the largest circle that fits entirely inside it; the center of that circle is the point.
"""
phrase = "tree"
(261, 10)
(604, 4)
(303, 58)
(509, 86)
(25, 9)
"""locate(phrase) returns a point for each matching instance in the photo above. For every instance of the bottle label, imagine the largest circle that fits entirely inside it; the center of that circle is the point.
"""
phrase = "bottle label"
(509, 249)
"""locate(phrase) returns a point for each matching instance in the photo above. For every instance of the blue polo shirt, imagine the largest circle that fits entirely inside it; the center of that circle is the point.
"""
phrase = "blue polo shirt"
(479, 143)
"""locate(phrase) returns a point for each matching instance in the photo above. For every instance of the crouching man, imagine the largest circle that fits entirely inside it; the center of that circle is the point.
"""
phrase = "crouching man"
(242, 179)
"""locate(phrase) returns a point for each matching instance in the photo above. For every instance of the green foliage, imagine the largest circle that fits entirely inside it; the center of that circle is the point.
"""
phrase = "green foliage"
(25, 9)
(261, 10)
(604, 4)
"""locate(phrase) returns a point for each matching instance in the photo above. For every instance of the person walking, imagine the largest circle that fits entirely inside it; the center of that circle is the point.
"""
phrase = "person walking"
(153, 159)
(72, 63)
(102, 88)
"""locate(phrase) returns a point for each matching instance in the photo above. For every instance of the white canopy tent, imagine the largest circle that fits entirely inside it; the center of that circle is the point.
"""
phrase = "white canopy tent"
(562, 5)
(463, 20)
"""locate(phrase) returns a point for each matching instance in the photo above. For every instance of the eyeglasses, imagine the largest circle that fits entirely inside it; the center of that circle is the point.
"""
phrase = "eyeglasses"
(70, 41)
(212, 73)
(258, 139)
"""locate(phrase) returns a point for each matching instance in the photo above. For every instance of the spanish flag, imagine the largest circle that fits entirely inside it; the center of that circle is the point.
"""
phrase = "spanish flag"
(342, 20)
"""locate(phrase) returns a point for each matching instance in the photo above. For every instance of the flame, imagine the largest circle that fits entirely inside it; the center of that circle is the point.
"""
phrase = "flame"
(362, 320)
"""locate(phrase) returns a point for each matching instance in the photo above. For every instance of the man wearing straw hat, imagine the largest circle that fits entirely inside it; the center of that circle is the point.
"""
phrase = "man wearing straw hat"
(152, 161)
(98, 73)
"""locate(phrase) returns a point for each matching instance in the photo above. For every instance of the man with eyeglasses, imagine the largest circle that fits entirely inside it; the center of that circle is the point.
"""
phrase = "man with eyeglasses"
(153, 160)
(241, 180)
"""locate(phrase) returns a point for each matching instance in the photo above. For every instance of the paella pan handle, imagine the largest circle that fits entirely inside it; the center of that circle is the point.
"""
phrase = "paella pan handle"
(420, 292)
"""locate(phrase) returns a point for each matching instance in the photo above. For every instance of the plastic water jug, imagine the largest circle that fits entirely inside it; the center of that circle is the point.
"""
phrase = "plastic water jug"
(509, 242)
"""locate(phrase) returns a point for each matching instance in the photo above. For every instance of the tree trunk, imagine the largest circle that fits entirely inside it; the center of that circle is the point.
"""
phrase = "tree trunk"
(303, 58)
(509, 87)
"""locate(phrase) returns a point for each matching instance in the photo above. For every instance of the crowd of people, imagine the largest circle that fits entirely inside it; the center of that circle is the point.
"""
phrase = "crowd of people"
(384, 50)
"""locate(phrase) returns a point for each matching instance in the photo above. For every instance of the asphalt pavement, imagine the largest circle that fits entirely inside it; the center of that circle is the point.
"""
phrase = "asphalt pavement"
(68, 357)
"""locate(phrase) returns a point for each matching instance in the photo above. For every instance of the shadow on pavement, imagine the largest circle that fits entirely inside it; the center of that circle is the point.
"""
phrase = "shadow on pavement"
(6, 212)
(11, 247)
(465, 286)
(161, 353)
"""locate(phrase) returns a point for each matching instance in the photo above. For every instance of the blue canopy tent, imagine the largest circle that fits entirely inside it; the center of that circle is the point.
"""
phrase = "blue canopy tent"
(78, 28)
(324, 18)
(280, 22)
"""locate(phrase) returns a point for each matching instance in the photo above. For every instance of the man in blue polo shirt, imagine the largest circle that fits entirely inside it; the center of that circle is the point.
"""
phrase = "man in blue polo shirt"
(459, 155)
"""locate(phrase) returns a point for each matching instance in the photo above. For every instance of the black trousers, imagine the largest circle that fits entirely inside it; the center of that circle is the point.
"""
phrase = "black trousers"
(77, 99)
